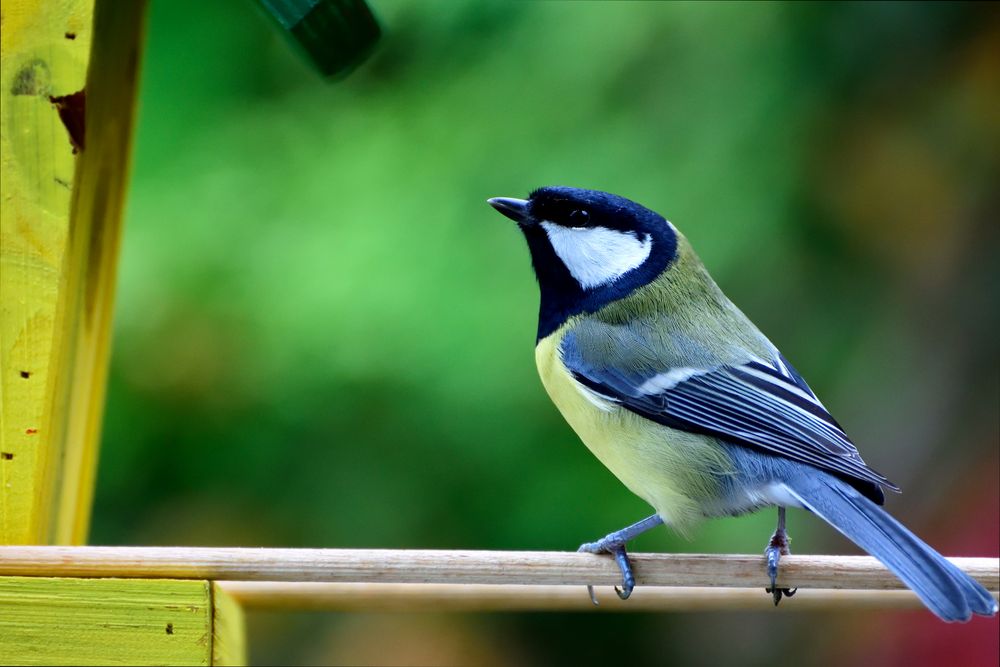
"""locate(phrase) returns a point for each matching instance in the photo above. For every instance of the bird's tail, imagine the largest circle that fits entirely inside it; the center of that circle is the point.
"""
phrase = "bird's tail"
(945, 589)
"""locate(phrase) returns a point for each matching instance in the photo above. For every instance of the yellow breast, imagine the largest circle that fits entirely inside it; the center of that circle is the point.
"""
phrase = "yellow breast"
(671, 470)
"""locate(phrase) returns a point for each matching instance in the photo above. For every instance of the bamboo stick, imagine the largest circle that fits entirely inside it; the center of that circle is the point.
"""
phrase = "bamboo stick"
(465, 567)
(318, 596)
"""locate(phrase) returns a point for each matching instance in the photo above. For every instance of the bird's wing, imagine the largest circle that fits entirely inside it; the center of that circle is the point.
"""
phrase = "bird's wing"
(764, 404)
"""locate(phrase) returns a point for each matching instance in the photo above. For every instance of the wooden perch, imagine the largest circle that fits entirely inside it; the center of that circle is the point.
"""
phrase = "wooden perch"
(313, 596)
(535, 568)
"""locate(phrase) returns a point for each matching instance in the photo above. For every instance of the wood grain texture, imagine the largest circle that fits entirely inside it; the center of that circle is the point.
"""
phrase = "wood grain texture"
(67, 85)
(90, 267)
(470, 567)
(48, 621)
(228, 629)
(313, 596)
(37, 170)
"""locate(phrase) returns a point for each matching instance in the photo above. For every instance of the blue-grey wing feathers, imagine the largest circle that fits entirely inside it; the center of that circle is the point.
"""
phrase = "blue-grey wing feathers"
(765, 405)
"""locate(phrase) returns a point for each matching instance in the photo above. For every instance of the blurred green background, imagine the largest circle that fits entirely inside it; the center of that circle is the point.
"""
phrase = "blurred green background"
(324, 337)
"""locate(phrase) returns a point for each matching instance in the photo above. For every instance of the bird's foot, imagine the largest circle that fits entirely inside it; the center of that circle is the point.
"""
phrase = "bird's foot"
(776, 548)
(613, 544)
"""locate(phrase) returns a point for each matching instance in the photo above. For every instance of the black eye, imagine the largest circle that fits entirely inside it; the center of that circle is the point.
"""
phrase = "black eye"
(579, 218)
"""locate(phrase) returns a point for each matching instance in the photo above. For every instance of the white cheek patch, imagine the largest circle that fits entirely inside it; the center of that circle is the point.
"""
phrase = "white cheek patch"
(597, 255)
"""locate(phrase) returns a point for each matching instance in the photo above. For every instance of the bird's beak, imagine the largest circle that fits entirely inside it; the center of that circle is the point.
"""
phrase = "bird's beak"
(515, 209)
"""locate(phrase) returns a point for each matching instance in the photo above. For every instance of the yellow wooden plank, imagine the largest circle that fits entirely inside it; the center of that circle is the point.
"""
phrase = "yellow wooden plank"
(63, 177)
(228, 629)
(44, 50)
(46, 621)
(90, 268)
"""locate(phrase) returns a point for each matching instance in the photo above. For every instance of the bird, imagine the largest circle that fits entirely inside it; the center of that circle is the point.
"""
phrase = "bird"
(688, 404)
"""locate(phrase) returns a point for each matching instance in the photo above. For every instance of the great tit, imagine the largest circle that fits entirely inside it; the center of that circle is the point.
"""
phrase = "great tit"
(677, 392)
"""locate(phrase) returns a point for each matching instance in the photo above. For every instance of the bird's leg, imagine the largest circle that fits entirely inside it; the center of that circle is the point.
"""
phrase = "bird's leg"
(614, 544)
(776, 548)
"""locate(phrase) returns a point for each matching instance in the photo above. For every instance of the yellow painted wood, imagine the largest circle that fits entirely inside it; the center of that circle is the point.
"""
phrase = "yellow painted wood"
(228, 629)
(90, 268)
(37, 170)
(60, 213)
(46, 621)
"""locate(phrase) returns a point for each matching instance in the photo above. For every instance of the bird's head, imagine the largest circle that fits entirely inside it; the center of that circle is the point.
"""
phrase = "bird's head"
(588, 248)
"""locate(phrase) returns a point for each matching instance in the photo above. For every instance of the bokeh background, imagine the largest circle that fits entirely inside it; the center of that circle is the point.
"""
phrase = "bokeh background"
(324, 336)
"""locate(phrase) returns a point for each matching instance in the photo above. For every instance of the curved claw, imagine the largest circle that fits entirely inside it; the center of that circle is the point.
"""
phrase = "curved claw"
(628, 579)
(777, 548)
(778, 593)
(617, 549)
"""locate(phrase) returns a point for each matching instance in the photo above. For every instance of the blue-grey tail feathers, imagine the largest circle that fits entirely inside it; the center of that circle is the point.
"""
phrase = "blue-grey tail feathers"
(945, 589)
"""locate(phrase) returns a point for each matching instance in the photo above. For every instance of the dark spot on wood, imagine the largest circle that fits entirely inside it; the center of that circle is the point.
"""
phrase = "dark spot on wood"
(6, 456)
(72, 110)
(170, 628)
(70, 35)
(30, 431)
(25, 374)
(32, 79)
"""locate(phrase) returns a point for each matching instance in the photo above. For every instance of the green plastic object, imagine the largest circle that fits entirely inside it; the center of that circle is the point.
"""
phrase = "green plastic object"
(336, 35)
